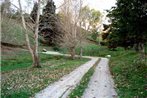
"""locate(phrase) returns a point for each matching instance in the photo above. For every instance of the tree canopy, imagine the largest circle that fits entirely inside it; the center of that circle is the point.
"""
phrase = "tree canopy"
(48, 24)
(90, 16)
(129, 21)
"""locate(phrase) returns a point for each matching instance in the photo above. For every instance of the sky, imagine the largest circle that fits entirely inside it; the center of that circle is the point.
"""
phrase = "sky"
(100, 5)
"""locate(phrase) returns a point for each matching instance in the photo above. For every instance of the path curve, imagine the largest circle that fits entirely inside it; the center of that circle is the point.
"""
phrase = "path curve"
(101, 84)
(67, 83)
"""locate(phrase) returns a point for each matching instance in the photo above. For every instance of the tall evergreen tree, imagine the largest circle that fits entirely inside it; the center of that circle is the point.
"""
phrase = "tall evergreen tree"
(34, 12)
(48, 24)
(129, 22)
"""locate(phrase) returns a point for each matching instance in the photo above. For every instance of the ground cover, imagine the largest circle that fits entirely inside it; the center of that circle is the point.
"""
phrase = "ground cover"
(20, 80)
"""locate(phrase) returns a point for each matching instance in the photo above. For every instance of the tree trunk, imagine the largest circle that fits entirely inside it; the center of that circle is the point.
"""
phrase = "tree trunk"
(81, 52)
(36, 63)
(33, 52)
(36, 57)
(139, 47)
(72, 53)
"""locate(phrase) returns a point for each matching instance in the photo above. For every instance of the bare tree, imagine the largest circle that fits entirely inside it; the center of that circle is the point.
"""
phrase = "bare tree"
(73, 25)
(82, 27)
(32, 49)
(70, 24)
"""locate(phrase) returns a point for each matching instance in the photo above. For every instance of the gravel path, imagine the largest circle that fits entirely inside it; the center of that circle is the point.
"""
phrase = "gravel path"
(63, 87)
(101, 84)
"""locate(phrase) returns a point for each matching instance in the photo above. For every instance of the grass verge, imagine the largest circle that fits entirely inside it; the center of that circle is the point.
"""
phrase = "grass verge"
(129, 73)
(79, 90)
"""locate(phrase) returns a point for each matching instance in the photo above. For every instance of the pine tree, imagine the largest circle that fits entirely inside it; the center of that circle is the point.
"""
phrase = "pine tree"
(48, 24)
(34, 12)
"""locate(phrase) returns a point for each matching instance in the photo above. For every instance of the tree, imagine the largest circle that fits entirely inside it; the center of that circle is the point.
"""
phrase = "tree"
(129, 21)
(48, 26)
(76, 22)
(90, 18)
(94, 18)
(94, 23)
(90, 21)
(33, 50)
(70, 24)
(5, 7)
(34, 12)
(82, 29)
(85, 17)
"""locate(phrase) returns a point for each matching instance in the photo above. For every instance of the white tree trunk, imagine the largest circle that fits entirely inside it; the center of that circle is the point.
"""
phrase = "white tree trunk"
(36, 63)
(34, 52)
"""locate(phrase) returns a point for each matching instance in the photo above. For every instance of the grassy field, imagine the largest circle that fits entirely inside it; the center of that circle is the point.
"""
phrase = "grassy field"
(20, 80)
(127, 67)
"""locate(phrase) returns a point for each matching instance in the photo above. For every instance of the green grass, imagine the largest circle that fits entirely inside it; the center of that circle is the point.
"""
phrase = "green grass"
(16, 62)
(96, 50)
(19, 61)
(129, 73)
(20, 80)
(79, 90)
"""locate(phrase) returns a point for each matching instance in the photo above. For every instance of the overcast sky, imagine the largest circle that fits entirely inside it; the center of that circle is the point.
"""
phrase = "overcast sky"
(100, 4)
(96, 4)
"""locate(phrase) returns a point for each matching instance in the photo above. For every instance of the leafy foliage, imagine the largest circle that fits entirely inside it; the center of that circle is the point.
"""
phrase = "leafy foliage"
(48, 27)
(90, 16)
(129, 21)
